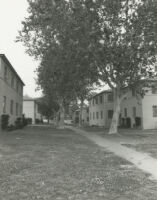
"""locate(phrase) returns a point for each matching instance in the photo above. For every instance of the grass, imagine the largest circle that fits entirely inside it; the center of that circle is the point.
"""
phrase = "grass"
(42, 163)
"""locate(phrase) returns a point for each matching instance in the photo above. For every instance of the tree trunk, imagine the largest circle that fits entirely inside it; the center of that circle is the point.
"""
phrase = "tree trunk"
(61, 120)
(115, 119)
(80, 114)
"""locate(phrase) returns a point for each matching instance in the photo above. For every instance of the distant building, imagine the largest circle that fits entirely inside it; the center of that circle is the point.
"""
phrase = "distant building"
(31, 109)
(136, 111)
(11, 90)
(101, 109)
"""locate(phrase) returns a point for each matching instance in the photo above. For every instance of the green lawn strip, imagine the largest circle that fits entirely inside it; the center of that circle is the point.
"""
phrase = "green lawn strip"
(45, 163)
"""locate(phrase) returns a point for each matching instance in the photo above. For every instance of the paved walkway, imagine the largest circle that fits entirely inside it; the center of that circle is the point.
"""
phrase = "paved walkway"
(141, 160)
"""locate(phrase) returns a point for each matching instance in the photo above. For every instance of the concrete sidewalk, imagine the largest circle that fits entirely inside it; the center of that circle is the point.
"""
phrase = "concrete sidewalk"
(141, 160)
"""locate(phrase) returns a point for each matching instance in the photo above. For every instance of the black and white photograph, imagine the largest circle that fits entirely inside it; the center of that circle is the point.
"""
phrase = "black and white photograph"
(78, 100)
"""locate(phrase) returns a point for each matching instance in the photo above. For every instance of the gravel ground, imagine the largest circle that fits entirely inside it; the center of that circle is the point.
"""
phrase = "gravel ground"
(42, 163)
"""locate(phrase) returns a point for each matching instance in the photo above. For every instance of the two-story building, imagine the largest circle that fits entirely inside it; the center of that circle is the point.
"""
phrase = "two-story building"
(141, 110)
(136, 110)
(101, 109)
(11, 90)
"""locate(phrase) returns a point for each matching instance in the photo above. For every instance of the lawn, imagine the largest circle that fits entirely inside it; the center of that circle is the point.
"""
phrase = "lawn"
(42, 163)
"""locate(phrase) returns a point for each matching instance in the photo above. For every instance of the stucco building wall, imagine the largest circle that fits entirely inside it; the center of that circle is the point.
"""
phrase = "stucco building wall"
(11, 88)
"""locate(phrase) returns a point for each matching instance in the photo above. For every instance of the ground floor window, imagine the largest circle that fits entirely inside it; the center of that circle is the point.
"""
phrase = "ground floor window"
(4, 104)
(125, 112)
(110, 114)
(97, 115)
(93, 115)
(154, 111)
(101, 114)
(134, 111)
(11, 106)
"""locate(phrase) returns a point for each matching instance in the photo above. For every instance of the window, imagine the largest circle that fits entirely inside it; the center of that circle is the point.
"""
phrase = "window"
(101, 99)
(133, 92)
(11, 106)
(154, 111)
(101, 114)
(125, 112)
(97, 115)
(110, 97)
(154, 90)
(5, 72)
(17, 85)
(4, 104)
(96, 100)
(17, 108)
(93, 115)
(134, 111)
(110, 114)
(12, 80)
(93, 102)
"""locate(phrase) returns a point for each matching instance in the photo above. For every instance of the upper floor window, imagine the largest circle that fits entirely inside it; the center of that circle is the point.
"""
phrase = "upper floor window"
(17, 85)
(154, 111)
(101, 99)
(5, 72)
(154, 89)
(110, 97)
(12, 80)
(133, 92)
(93, 102)
(96, 100)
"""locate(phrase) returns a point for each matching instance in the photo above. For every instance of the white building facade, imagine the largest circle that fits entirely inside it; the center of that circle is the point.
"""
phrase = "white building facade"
(142, 111)
(136, 111)
(101, 109)
(31, 110)
(11, 91)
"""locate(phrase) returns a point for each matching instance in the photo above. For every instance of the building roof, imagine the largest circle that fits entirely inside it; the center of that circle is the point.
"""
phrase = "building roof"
(27, 98)
(100, 93)
(9, 64)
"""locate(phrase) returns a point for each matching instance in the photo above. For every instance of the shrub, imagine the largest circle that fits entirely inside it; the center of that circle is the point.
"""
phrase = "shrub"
(4, 121)
(29, 120)
(19, 122)
(37, 121)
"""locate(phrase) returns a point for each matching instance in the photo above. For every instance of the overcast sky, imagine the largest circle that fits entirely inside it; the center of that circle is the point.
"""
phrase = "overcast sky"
(12, 12)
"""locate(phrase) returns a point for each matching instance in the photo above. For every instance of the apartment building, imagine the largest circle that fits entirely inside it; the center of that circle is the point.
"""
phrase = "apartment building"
(11, 90)
(136, 110)
(141, 110)
(101, 109)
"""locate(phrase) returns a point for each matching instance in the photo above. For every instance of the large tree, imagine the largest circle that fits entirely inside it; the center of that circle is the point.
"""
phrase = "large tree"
(59, 33)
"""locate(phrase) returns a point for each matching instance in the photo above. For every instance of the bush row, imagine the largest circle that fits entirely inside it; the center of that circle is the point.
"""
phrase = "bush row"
(19, 123)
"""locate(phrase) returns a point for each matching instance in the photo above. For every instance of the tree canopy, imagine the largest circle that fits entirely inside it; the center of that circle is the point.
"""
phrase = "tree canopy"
(79, 42)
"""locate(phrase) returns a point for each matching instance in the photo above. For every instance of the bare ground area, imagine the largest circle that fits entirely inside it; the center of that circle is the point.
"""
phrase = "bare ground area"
(42, 163)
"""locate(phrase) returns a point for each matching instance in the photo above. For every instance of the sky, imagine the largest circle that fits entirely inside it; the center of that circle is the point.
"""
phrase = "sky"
(11, 15)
